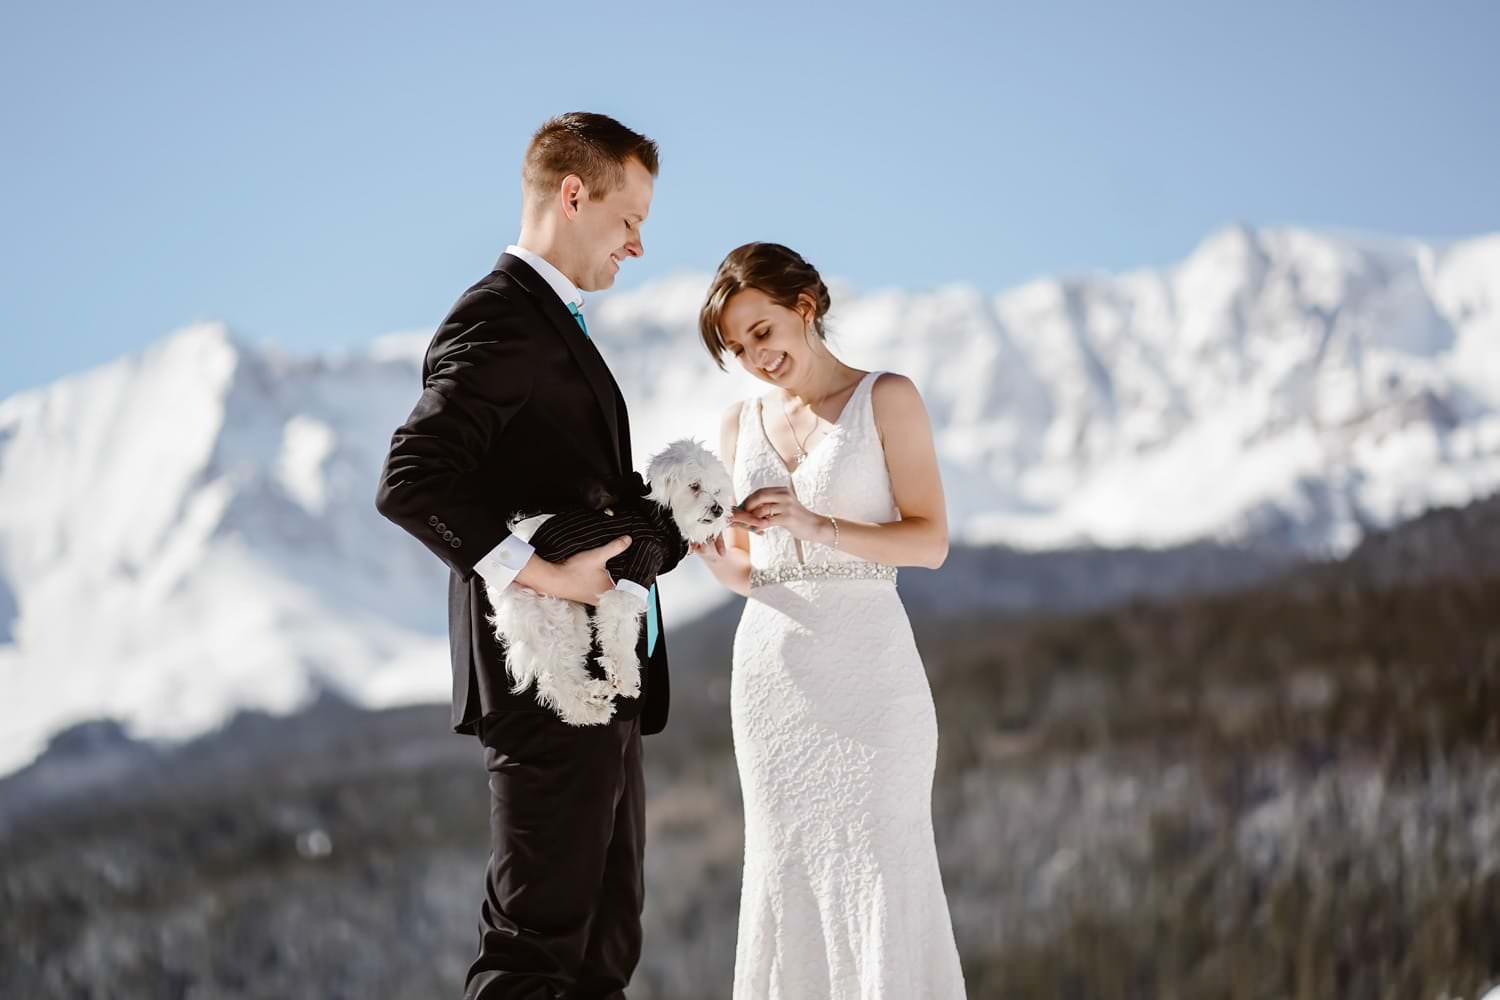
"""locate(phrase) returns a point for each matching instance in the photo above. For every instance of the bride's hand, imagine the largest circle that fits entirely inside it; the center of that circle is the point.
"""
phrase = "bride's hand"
(778, 507)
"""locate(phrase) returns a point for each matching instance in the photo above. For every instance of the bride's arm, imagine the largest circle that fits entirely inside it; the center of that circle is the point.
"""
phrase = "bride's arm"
(732, 566)
(920, 538)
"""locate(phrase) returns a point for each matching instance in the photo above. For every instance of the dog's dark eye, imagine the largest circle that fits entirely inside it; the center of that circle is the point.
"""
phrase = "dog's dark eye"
(693, 486)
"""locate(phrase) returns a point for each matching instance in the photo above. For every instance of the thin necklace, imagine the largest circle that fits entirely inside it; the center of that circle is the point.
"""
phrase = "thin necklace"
(801, 457)
(801, 451)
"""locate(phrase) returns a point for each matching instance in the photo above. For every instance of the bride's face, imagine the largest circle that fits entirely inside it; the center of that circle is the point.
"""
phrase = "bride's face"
(772, 342)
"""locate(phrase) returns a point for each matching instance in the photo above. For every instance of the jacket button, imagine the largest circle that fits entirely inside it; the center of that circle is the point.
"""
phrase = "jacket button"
(456, 542)
(433, 520)
(447, 536)
(609, 512)
(441, 527)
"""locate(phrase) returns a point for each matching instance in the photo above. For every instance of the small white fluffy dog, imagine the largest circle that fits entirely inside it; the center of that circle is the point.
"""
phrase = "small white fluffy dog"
(547, 639)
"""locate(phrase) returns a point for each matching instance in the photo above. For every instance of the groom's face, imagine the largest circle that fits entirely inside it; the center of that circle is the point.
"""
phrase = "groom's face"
(607, 231)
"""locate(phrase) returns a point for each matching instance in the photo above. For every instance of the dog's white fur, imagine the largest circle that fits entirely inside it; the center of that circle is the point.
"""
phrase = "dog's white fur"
(547, 639)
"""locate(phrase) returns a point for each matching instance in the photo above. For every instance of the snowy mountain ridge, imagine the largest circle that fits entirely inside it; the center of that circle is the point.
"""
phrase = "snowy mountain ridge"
(191, 529)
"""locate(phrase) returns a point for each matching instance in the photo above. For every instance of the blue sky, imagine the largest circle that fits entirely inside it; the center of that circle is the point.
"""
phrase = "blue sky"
(320, 173)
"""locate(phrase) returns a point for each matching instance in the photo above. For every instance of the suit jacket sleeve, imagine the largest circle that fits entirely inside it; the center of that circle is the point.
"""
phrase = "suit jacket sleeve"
(475, 381)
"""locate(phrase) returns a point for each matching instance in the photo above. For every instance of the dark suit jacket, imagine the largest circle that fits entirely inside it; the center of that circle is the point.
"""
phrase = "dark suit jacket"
(519, 415)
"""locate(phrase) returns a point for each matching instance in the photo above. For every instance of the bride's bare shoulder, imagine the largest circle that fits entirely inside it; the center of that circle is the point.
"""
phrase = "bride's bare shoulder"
(729, 431)
(730, 422)
(894, 390)
(896, 402)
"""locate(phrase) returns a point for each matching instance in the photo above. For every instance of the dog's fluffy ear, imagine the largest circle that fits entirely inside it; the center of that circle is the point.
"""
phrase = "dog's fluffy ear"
(668, 466)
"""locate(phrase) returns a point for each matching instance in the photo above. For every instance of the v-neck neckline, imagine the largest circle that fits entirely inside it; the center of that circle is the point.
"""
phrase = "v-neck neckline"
(808, 453)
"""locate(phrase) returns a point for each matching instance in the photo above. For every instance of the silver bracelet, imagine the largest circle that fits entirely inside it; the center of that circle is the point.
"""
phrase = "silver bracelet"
(835, 530)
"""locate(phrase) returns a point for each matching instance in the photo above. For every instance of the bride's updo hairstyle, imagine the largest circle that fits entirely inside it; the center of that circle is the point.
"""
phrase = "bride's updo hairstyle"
(779, 272)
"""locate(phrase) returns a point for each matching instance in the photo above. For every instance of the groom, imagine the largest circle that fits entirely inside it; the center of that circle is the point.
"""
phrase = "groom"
(519, 414)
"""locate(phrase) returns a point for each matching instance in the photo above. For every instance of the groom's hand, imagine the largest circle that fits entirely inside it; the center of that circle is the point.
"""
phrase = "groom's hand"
(580, 578)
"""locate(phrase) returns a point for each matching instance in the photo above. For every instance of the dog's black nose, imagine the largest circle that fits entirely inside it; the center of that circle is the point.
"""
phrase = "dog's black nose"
(716, 510)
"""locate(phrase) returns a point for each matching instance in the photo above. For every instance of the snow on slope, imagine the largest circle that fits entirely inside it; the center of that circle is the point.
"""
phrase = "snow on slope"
(192, 530)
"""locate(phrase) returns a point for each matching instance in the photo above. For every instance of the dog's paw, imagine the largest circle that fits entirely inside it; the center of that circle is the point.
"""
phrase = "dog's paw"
(617, 624)
(591, 704)
(624, 676)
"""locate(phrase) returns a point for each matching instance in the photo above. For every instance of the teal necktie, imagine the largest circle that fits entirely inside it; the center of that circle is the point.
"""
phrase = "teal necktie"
(653, 626)
(578, 315)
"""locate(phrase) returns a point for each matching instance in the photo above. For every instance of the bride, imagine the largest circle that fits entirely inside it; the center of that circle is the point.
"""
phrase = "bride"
(835, 736)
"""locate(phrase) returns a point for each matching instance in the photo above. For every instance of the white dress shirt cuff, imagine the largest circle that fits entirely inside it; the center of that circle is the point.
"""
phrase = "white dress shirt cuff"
(631, 587)
(500, 566)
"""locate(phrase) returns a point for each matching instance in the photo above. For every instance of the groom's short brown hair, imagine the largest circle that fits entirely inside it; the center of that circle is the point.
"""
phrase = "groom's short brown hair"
(595, 147)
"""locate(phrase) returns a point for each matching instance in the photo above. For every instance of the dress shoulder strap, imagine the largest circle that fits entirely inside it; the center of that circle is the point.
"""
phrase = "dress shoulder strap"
(866, 388)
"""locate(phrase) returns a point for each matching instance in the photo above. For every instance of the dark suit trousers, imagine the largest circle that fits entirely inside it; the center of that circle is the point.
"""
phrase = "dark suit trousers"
(564, 889)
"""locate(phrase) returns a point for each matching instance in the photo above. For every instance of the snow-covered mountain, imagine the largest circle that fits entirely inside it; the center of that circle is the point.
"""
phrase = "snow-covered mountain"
(191, 530)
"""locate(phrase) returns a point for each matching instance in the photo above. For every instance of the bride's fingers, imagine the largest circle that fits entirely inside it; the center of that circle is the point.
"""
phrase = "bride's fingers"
(774, 509)
(764, 494)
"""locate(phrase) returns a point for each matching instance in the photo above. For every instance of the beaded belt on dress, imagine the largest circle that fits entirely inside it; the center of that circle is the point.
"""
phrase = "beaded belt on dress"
(841, 570)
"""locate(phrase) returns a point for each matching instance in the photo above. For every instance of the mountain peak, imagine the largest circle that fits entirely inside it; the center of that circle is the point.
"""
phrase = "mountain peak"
(1236, 238)
(205, 343)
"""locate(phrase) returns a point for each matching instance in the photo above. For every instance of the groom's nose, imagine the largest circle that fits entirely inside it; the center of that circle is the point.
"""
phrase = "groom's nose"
(636, 248)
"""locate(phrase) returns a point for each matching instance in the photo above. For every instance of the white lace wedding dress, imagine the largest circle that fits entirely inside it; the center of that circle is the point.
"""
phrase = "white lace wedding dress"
(836, 740)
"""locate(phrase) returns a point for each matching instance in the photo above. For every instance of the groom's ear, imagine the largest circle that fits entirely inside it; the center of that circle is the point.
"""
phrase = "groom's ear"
(571, 193)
